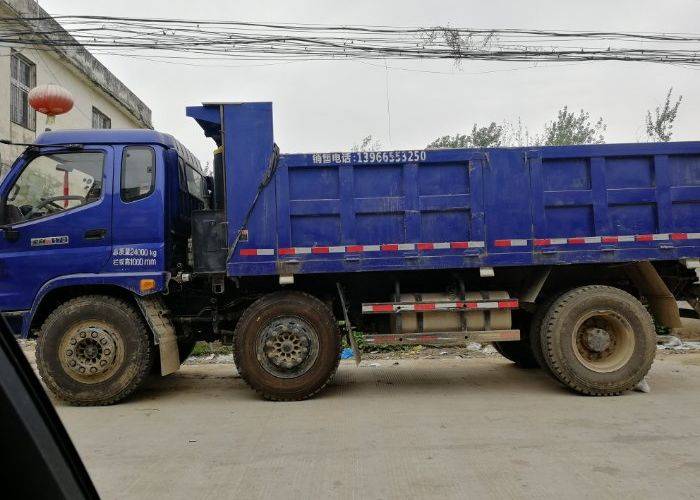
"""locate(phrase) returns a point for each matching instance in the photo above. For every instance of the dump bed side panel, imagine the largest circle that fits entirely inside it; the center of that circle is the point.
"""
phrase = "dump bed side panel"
(340, 212)
(615, 202)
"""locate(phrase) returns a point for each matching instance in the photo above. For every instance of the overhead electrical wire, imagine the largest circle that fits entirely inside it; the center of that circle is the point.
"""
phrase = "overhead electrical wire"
(185, 40)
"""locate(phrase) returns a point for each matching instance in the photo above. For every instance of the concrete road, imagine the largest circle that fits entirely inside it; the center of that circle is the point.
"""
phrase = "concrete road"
(440, 428)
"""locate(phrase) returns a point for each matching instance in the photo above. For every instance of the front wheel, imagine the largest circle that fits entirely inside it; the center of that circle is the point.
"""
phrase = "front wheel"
(287, 346)
(93, 350)
(598, 340)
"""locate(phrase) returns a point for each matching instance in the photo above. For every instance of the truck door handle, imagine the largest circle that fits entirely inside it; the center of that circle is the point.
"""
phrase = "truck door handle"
(95, 234)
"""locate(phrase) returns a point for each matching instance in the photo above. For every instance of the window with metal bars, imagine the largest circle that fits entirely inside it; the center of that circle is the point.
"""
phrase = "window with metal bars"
(22, 80)
(99, 119)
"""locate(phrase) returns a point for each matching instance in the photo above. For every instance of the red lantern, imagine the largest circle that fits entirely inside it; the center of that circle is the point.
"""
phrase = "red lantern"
(50, 100)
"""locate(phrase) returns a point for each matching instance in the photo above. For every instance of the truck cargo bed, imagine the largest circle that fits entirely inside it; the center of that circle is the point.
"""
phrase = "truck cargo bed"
(460, 208)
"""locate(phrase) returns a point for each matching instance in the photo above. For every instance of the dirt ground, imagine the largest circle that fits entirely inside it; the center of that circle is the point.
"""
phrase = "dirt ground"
(448, 427)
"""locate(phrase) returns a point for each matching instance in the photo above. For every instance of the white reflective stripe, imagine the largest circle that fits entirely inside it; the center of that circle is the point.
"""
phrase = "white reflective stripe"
(592, 239)
(518, 243)
(403, 307)
(336, 249)
(477, 244)
(487, 305)
(625, 238)
(299, 250)
(558, 241)
(447, 305)
(407, 246)
(441, 246)
(367, 308)
(660, 237)
(265, 251)
(693, 236)
(371, 248)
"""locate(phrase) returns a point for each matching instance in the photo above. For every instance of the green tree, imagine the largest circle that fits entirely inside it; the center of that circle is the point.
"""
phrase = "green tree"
(479, 137)
(660, 124)
(572, 128)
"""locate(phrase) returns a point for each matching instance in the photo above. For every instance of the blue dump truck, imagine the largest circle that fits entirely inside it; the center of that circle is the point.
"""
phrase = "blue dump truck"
(118, 253)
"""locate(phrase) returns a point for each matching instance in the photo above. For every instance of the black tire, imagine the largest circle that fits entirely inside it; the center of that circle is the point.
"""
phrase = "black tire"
(288, 319)
(99, 333)
(598, 340)
(519, 352)
(185, 348)
(536, 332)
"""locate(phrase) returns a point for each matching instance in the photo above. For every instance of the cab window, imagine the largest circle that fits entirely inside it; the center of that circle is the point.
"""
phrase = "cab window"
(55, 183)
(138, 173)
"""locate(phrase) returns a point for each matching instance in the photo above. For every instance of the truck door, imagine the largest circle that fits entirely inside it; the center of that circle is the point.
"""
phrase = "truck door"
(138, 209)
(57, 221)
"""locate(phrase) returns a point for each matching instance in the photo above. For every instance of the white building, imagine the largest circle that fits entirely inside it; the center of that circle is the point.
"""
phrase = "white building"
(101, 100)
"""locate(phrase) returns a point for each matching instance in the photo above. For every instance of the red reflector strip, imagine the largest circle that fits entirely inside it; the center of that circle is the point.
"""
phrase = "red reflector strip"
(439, 306)
(424, 307)
(507, 304)
(254, 252)
(462, 245)
(383, 307)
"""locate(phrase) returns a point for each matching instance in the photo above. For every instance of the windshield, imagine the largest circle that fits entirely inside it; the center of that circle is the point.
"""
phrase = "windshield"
(55, 183)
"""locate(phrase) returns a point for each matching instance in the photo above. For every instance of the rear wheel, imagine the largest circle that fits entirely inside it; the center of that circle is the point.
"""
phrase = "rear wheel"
(287, 346)
(536, 333)
(598, 340)
(93, 350)
(185, 348)
(519, 352)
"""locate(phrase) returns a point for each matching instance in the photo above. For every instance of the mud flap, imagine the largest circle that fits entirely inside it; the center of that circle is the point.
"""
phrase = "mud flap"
(155, 312)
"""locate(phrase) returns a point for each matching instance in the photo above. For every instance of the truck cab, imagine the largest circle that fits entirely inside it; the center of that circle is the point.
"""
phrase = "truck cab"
(98, 211)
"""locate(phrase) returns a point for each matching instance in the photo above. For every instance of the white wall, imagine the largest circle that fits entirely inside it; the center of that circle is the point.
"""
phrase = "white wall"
(50, 69)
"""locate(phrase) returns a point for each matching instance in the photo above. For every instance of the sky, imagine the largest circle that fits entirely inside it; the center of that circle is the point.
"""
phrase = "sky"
(329, 106)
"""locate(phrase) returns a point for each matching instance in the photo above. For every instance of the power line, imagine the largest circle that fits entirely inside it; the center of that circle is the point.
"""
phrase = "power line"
(202, 40)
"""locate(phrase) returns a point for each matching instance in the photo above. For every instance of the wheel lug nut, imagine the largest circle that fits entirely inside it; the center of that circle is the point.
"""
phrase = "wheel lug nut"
(103, 362)
(82, 369)
(72, 362)
(93, 335)
(73, 341)
(93, 370)
(69, 352)
(107, 352)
